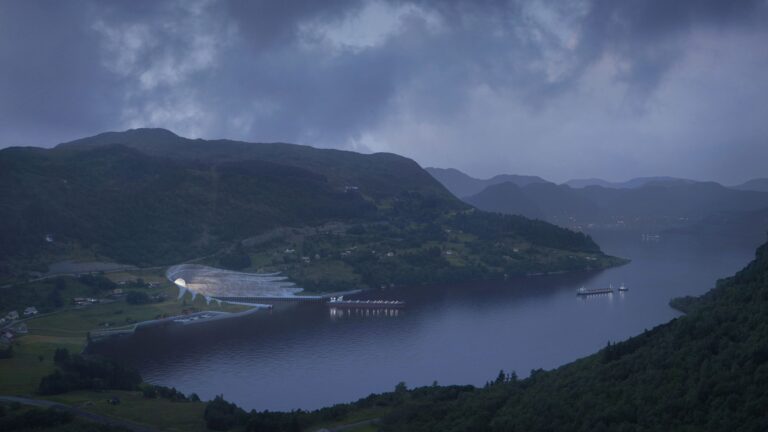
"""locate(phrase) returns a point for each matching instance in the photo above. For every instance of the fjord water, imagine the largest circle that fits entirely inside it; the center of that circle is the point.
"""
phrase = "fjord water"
(303, 357)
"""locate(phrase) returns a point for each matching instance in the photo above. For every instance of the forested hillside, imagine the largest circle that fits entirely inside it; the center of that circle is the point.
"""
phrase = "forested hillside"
(149, 197)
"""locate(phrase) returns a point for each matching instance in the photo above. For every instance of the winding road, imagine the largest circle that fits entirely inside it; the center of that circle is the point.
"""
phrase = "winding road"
(98, 418)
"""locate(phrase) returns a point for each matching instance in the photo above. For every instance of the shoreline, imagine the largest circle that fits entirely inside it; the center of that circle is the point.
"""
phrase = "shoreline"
(201, 317)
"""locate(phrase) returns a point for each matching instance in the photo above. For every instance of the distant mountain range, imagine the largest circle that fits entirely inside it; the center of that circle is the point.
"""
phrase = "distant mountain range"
(760, 185)
(643, 202)
(462, 185)
(629, 184)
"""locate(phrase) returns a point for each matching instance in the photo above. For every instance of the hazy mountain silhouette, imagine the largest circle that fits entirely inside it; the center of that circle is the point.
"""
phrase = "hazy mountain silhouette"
(629, 184)
(663, 201)
(760, 185)
(463, 185)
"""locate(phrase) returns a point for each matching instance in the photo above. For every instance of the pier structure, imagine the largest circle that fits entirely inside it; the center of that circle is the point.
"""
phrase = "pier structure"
(270, 299)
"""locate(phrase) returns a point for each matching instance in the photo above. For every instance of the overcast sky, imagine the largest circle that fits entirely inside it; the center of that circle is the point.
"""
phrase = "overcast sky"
(602, 88)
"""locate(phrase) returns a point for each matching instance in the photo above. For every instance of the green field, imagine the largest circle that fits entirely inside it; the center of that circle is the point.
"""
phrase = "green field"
(161, 413)
(68, 326)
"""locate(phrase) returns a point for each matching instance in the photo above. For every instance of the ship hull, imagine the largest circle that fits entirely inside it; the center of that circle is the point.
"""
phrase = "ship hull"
(595, 292)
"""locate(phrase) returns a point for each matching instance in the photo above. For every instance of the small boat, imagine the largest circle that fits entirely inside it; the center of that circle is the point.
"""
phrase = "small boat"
(623, 287)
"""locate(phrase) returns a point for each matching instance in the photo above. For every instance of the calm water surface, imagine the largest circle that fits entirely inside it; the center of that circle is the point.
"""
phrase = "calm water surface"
(303, 357)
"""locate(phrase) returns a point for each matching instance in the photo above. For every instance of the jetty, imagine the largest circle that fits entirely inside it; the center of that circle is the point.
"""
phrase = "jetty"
(340, 303)
(283, 299)
(193, 318)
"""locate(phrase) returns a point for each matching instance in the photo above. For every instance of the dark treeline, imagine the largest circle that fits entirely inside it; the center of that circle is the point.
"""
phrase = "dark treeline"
(75, 372)
(151, 391)
(45, 296)
(704, 371)
(13, 417)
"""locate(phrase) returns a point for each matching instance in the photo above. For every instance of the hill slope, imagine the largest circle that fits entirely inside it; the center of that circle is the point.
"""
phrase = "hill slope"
(149, 197)
(381, 175)
(545, 201)
(760, 185)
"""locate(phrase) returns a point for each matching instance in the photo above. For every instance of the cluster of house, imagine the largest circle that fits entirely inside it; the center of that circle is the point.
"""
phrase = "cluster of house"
(8, 333)
(14, 315)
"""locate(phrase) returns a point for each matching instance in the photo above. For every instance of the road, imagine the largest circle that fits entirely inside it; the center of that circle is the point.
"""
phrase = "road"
(98, 418)
(350, 426)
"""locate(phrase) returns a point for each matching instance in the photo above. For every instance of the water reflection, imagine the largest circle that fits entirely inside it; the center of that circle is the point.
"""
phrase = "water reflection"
(308, 356)
(346, 313)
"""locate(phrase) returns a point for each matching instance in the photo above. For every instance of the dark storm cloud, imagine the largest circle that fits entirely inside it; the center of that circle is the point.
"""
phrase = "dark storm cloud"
(599, 87)
(648, 33)
(51, 83)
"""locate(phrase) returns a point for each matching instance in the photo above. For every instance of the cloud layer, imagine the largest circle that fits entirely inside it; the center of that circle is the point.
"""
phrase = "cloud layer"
(560, 89)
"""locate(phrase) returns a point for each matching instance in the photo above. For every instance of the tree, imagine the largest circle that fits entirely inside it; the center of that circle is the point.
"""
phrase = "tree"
(137, 298)
(61, 356)
(501, 378)
(221, 415)
(61, 284)
(54, 298)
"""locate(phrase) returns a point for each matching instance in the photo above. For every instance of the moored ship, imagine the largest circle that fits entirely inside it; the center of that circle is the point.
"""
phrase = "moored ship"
(594, 291)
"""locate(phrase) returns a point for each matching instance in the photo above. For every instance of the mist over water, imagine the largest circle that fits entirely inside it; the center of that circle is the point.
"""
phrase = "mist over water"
(305, 356)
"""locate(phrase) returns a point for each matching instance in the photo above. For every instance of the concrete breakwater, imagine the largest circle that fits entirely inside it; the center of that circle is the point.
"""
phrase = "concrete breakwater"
(96, 336)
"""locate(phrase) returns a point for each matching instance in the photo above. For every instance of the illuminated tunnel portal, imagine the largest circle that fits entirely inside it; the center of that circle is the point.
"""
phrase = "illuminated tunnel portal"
(211, 282)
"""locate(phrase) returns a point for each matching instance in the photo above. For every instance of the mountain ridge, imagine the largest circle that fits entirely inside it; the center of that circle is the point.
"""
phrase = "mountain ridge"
(463, 185)
(758, 184)
(148, 197)
(659, 202)
(653, 202)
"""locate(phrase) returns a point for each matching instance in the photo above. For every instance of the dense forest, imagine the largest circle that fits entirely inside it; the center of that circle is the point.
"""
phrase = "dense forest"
(75, 372)
(148, 197)
(707, 370)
